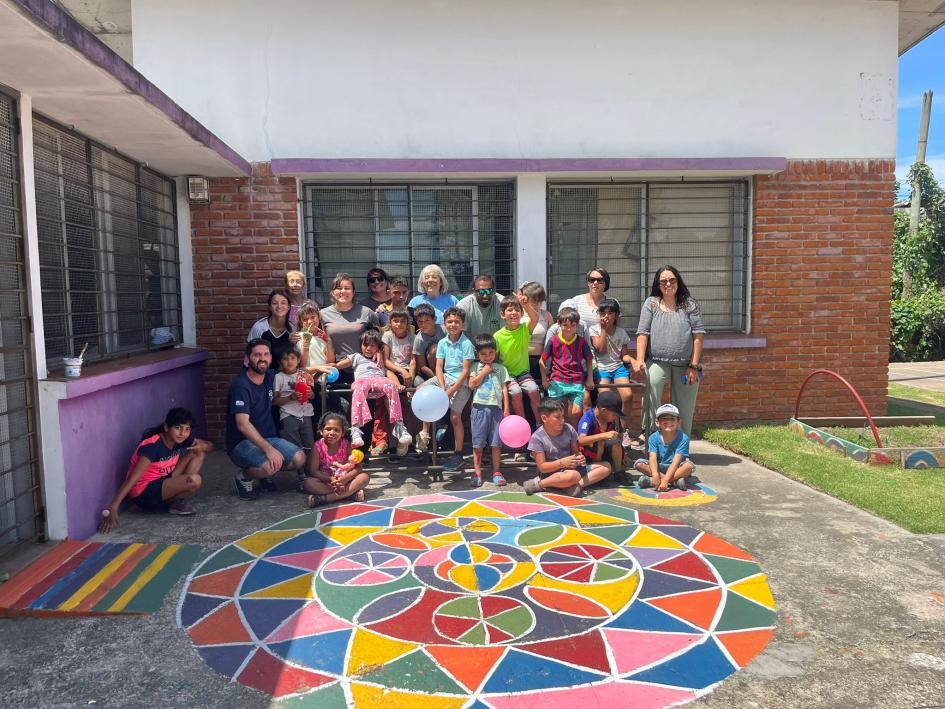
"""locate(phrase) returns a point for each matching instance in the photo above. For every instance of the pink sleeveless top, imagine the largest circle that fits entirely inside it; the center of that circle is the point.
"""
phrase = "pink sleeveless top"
(325, 460)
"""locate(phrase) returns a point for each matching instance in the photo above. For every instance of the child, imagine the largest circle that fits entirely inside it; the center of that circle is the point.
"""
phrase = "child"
(156, 480)
(490, 405)
(371, 382)
(512, 342)
(399, 290)
(554, 446)
(668, 463)
(454, 357)
(398, 350)
(328, 477)
(598, 435)
(611, 345)
(535, 292)
(571, 362)
(317, 352)
(424, 357)
(295, 412)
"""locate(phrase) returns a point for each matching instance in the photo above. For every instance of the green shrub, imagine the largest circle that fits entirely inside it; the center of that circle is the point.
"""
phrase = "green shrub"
(918, 327)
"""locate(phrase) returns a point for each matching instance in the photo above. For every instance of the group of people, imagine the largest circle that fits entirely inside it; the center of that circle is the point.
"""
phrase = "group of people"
(371, 355)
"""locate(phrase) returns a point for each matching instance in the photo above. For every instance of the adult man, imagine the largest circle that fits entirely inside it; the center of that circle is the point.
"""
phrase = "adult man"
(251, 438)
(482, 308)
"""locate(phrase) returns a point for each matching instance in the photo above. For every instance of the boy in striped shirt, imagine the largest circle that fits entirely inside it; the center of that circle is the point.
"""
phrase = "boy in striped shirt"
(571, 364)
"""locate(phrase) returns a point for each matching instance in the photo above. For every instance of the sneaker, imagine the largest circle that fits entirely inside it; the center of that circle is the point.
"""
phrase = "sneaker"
(475, 481)
(680, 484)
(627, 441)
(532, 486)
(454, 462)
(644, 482)
(423, 442)
(574, 491)
(440, 432)
(404, 439)
(268, 485)
(244, 487)
(357, 439)
(300, 481)
(182, 508)
(623, 478)
(519, 458)
(498, 479)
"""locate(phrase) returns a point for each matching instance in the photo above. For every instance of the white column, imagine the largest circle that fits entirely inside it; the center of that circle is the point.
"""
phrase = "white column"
(531, 229)
(186, 252)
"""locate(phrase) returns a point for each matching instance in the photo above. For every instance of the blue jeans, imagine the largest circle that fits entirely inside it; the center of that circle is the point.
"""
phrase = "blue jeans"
(247, 454)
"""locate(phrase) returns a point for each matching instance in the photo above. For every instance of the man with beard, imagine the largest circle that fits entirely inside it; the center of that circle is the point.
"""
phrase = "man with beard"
(482, 308)
(251, 438)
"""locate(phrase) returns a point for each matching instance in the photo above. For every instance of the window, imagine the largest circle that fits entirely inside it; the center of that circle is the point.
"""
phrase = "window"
(109, 263)
(465, 229)
(701, 228)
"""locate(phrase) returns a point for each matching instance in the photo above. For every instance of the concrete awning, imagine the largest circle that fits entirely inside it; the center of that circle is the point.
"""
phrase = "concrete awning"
(74, 79)
(917, 20)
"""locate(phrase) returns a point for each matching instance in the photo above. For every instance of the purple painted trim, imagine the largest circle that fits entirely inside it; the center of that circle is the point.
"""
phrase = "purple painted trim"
(724, 342)
(294, 166)
(68, 30)
(130, 370)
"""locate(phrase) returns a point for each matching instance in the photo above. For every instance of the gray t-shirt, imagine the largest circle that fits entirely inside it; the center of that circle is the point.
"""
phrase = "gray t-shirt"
(479, 320)
(554, 447)
(401, 350)
(609, 360)
(489, 392)
(422, 344)
(364, 367)
(345, 328)
(670, 333)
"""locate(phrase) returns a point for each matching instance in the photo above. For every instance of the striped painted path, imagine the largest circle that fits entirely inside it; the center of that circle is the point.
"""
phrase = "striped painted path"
(95, 578)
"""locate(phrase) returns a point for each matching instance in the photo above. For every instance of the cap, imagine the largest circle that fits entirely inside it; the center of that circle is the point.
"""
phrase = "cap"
(610, 400)
(667, 410)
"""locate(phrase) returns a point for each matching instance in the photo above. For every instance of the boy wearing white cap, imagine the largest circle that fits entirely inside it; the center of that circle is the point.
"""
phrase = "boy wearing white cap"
(668, 464)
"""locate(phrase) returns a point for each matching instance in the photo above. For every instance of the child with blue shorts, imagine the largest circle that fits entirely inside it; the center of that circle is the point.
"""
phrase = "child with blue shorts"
(571, 364)
(611, 345)
(668, 464)
(489, 382)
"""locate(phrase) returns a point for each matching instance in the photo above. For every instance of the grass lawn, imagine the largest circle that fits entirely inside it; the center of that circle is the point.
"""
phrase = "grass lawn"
(894, 436)
(914, 499)
(901, 391)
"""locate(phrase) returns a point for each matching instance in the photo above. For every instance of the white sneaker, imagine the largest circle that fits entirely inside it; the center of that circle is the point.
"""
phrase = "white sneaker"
(404, 439)
(423, 442)
(357, 439)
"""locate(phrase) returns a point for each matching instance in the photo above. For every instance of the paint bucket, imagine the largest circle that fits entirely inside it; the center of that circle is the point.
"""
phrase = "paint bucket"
(73, 366)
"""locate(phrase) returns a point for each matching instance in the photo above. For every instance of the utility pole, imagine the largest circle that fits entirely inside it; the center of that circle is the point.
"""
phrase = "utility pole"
(916, 195)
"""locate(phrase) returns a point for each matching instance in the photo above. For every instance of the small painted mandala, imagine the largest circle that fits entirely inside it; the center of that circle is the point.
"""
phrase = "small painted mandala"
(695, 494)
(479, 599)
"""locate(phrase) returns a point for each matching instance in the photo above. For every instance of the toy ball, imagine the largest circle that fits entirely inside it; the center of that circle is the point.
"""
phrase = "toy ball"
(332, 376)
(430, 403)
(514, 431)
(357, 456)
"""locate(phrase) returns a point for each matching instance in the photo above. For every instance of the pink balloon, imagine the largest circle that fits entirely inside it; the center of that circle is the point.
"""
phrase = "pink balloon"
(514, 431)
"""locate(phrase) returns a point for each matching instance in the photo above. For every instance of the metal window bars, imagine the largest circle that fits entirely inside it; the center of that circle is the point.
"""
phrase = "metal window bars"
(108, 247)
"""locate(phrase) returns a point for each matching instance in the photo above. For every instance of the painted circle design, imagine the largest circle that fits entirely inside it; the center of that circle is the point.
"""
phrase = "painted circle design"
(482, 599)
(695, 494)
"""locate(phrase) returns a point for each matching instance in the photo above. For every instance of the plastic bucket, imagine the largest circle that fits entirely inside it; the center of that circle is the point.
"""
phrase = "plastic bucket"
(73, 366)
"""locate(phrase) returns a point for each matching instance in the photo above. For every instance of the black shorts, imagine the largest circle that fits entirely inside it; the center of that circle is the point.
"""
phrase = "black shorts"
(150, 499)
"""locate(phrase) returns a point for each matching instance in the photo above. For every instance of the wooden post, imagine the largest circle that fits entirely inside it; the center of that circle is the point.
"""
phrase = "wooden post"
(916, 195)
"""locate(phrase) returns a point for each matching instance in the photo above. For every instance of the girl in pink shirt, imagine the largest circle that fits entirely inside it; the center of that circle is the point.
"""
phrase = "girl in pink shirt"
(330, 452)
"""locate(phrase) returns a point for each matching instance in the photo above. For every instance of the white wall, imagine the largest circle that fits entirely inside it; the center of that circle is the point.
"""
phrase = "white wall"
(530, 78)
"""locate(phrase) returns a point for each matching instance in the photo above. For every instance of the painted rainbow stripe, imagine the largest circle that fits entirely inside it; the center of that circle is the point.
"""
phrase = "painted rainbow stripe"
(95, 578)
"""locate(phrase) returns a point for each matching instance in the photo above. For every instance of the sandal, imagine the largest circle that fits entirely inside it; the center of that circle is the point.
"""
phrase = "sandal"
(358, 496)
(317, 500)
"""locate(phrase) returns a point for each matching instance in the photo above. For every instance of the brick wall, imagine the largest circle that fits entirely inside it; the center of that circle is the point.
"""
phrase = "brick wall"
(244, 240)
(821, 264)
(822, 257)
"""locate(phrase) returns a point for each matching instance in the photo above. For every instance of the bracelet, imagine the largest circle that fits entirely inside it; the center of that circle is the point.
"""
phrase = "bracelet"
(697, 367)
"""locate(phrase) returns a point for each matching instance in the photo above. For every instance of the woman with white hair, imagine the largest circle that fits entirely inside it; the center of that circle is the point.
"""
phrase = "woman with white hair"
(434, 290)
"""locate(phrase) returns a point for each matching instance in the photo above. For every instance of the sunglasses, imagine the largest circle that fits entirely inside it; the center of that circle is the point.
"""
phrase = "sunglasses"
(485, 291)
(668, 281)
(376, 279)
(594, 279)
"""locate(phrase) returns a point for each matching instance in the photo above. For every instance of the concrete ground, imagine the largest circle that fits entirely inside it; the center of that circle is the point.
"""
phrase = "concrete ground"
(924, 375)
(861, 602)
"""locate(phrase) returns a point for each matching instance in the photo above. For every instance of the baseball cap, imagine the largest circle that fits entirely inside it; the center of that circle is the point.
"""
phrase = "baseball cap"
(667, 410)
(610, 400)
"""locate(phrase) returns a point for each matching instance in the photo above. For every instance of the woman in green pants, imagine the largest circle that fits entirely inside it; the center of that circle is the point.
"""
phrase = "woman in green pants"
(671, 324)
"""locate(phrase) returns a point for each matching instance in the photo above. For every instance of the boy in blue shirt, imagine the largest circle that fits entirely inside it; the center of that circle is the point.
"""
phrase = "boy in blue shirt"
(454, 358)
(668, 465)
(489, 383)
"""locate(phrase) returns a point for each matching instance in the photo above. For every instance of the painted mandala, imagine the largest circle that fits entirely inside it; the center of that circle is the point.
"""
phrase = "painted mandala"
(695, 494)
(479, 599)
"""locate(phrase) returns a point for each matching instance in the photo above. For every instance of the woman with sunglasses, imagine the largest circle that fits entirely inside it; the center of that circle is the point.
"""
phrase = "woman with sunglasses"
(378, 294)
(671, 324)
(598, 282)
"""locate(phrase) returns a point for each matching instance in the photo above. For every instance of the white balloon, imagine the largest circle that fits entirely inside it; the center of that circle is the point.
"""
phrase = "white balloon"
(430, 403)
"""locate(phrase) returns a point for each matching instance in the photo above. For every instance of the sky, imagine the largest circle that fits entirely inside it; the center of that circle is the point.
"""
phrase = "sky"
(920, 69)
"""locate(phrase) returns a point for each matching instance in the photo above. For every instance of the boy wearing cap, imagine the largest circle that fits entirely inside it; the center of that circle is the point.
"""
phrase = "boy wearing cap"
(668, 464)
(598, 433)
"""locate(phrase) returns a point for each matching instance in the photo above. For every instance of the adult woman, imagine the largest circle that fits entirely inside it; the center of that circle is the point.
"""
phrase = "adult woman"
(671, 323)
(535, 292)
(275, 328)
(295, 288)
(598, 283)
(344, 322)
(434, 290)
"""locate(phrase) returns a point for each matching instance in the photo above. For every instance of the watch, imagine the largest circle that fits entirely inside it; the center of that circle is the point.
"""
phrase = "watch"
(697, 367)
